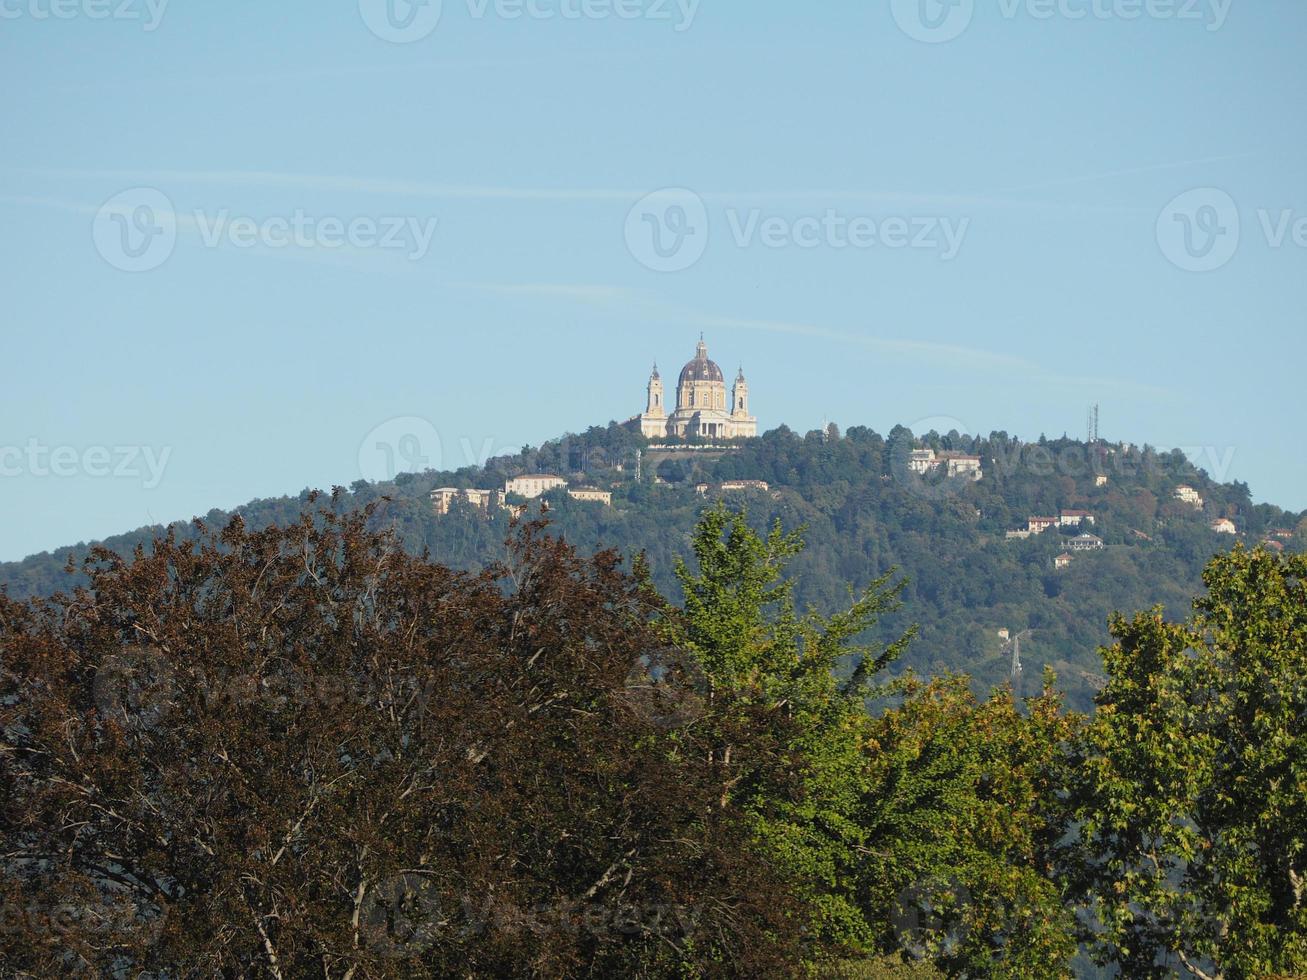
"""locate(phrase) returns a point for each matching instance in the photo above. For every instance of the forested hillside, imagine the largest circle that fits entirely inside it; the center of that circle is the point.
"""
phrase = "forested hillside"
(864, 513)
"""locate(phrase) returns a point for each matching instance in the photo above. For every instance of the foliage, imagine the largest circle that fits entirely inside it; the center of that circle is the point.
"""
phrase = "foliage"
(300, 752)
(1194, 803)
(965, 818)
(741, 624)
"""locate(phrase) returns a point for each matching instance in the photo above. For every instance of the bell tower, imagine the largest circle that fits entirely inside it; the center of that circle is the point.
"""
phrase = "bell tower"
(655, 406)
(653, 423)
(740, 396)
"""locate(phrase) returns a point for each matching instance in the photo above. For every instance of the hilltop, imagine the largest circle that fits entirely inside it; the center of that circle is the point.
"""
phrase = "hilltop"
(865, 508)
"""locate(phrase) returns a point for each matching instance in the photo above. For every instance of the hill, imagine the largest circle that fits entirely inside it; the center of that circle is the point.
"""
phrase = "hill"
(865, 511)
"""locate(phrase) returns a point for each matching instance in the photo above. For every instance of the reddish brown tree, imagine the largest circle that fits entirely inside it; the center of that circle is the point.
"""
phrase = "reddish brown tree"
(302, 752)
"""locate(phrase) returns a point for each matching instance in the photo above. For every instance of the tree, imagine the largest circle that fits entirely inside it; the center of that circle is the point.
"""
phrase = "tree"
(757, 650)
(301, 752)
(1194, 802)
(966, 819)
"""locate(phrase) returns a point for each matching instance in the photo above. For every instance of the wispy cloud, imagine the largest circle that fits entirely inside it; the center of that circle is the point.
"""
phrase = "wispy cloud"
(640, 304)
(343, 184)
(582, 292)
(1125, 172)
(433, 190)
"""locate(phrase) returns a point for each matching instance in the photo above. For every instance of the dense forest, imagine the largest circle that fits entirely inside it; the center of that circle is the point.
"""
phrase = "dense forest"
(863, 513)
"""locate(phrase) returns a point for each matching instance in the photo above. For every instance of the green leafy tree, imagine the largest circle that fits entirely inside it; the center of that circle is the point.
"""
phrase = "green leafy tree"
(1194, 803)
(966, 822)
(755, 648)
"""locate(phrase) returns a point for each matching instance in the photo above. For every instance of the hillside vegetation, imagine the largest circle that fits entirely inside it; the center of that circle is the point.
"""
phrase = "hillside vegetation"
(863, 514)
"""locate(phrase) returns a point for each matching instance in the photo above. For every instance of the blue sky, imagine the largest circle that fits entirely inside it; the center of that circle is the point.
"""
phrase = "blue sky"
(1028, 211)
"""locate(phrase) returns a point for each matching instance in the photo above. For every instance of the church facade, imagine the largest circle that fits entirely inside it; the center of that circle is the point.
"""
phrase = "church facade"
(702, 408)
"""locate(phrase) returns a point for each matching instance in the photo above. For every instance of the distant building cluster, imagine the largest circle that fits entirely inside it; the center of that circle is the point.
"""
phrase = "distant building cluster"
(923, 461)
(1190, 496)
(733, 486)
(529, 486)
(1067, 518)
(1276, 537)
(1038, 525)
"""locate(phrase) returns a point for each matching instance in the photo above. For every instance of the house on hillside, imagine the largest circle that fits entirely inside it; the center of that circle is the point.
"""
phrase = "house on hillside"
(1086, 542)
(1074, 518)
(591, 495)
(922, 461)
(442, 499)
(1038, 525)
(1062, 561)
(532, 485)
(1223, 525)
(1189, 495)
(961, 464)
(735, 486)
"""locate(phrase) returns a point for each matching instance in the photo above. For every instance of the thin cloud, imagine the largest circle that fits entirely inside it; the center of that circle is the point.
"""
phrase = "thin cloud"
(583, 292)
(1127, 172)
(639, 303)
(402, 187)
(354, 185)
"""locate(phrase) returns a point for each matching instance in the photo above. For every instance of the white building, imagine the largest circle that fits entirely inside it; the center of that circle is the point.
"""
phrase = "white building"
(591, 495)
(442, 500)
(1224, 525)
(701, 405)
(532, 485)
(1189, 496)
(1074, 518)
(1086, 542)
(960, 464)
(922, 460)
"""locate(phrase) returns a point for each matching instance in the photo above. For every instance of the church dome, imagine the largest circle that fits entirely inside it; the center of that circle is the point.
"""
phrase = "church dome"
(701, 369)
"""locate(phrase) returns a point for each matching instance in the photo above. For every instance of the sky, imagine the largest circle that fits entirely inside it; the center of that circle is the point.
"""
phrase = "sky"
(248, 248)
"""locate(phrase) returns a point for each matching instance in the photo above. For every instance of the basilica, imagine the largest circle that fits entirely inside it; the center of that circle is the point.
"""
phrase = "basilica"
(702, 409)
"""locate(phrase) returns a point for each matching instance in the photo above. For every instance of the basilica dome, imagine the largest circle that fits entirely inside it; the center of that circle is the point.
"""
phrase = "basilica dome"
(701, 369)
